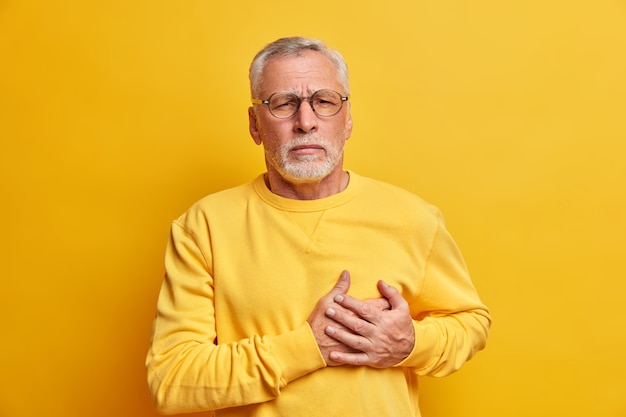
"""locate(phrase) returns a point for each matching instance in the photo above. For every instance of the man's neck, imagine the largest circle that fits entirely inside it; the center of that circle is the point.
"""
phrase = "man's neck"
(334, 183)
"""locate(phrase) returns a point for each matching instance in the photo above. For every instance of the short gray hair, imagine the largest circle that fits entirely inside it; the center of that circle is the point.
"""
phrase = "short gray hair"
(295, 46)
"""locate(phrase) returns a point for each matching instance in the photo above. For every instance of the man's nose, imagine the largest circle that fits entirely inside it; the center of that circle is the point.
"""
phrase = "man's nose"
(306, 119)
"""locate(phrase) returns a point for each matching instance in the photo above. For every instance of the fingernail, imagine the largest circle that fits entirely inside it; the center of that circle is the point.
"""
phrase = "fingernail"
(330, 330)
(339, 298)
(330, 312)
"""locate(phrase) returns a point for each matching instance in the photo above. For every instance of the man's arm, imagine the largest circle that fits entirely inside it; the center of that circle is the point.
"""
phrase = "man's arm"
(385, 338)
(442, 328)
(189, 369)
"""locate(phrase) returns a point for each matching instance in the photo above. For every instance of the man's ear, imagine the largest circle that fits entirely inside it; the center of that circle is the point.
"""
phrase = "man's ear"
(253, 126)
(349, 123)
(349, 127)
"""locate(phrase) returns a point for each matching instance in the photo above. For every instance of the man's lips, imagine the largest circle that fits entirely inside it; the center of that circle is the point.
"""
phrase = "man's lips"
(307, 148)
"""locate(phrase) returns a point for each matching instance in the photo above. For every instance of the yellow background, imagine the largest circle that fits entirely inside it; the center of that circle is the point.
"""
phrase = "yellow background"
(509, 115)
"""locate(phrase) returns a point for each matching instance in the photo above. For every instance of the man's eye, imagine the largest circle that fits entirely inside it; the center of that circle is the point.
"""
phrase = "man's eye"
(286, 102)
(325, 103)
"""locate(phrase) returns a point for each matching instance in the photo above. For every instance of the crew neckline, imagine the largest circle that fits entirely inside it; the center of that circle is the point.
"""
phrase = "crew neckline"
(294, 205)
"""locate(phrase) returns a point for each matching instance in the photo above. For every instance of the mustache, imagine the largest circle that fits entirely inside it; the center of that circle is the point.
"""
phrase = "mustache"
(307, 139)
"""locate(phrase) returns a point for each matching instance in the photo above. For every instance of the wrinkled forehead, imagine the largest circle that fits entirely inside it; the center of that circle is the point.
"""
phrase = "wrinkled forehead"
(302, 74)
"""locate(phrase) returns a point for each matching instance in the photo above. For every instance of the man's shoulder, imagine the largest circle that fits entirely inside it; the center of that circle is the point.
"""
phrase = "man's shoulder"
(223, 201)
(393, 194)
(231, 194)
(397, 207)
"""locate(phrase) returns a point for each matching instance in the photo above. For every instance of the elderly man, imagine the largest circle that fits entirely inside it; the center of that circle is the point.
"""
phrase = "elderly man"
(311, 291)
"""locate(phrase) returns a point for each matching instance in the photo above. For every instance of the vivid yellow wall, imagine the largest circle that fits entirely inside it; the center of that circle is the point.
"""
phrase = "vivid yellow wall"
(509, 115)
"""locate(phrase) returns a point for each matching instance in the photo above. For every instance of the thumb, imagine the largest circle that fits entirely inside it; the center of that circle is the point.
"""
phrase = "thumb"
(343, 284)
(392, 294)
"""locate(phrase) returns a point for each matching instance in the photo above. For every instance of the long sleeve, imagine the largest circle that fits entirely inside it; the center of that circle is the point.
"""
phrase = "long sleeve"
(451, 323)
(243, 270)
(188, 368)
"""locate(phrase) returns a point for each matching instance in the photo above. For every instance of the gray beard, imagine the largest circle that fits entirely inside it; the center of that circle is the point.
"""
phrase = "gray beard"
(307, 167)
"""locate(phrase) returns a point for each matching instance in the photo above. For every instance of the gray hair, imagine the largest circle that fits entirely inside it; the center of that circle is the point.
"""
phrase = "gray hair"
(295, 46)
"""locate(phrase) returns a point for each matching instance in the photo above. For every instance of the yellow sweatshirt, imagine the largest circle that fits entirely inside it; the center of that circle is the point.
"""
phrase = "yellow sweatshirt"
(244, 269)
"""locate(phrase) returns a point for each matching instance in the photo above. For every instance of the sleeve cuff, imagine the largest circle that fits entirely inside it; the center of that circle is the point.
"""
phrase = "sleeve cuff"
(427, 349)
(297, 353)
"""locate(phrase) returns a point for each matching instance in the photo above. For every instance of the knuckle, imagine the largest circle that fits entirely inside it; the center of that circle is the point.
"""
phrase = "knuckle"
(359, 326)
(358, 344)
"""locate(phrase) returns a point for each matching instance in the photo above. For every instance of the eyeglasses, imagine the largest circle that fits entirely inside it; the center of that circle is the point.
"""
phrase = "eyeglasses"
(324, 103)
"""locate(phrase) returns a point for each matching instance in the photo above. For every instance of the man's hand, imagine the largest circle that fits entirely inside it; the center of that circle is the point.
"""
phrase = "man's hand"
(378, 338)
(319, 321)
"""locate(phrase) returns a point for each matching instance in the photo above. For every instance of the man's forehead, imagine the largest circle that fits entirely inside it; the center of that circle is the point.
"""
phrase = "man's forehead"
(303, 73)
(312, 67)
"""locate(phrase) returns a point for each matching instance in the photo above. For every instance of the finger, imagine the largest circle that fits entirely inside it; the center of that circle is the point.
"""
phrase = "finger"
(355, 341)
(380, 304)
(347, 320)
(392, 294)
(356, 358)
(358, 307)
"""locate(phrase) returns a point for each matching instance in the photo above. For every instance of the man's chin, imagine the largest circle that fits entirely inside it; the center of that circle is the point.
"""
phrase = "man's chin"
(306, 173)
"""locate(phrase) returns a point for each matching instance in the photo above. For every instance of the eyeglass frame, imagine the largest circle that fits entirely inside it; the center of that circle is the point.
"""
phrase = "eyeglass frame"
(300, 100)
